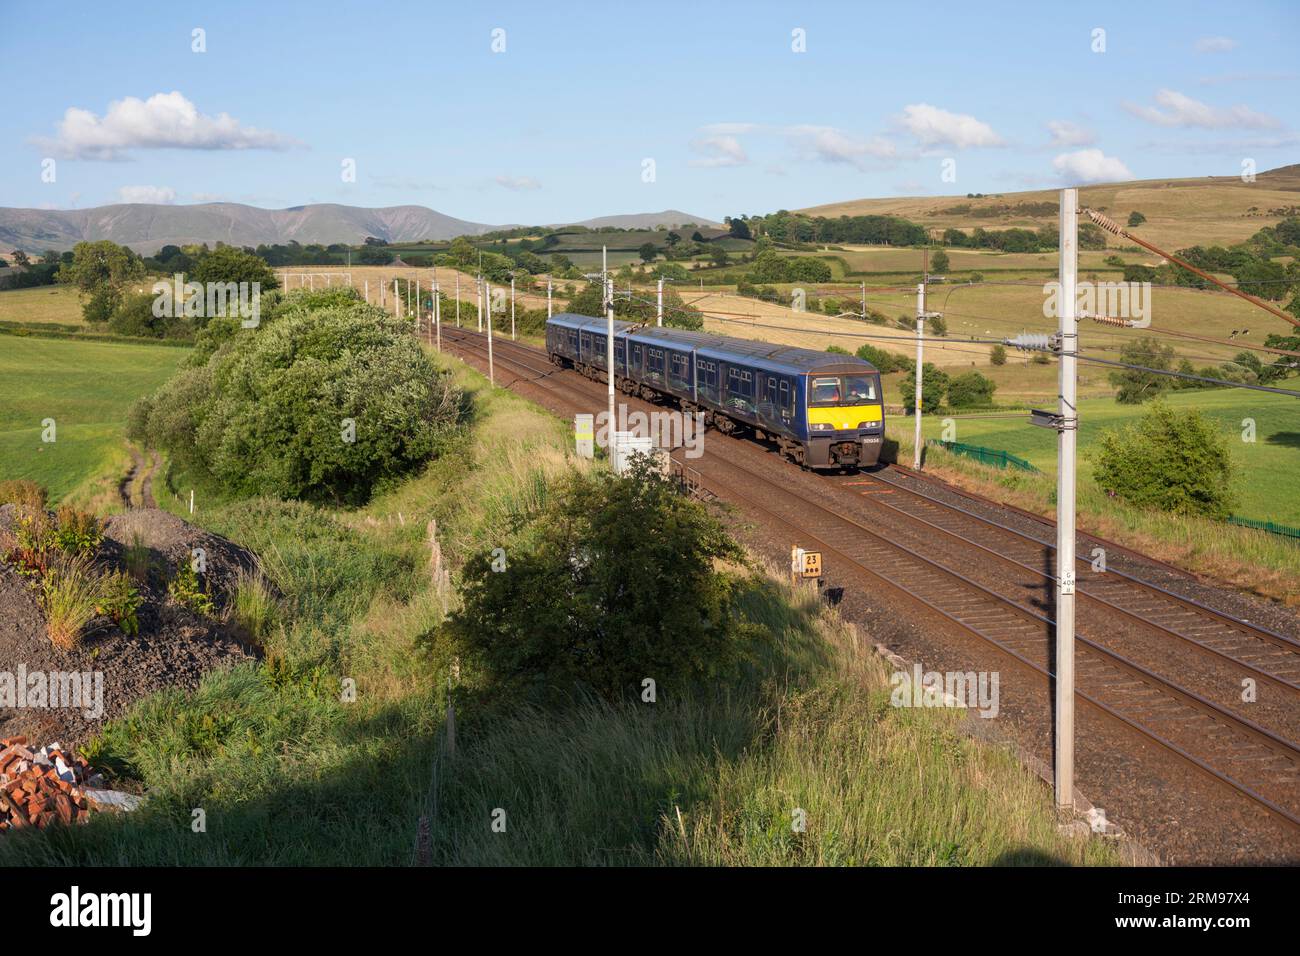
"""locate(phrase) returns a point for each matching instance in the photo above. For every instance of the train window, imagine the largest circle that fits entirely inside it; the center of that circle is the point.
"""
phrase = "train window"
(843, 390)
(771, 389)
(785, 395)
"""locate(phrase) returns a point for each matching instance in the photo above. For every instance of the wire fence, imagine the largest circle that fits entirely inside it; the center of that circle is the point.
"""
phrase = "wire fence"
(988, 456)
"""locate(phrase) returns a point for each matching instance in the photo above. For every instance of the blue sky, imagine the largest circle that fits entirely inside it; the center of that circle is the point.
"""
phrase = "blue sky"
(558, 126)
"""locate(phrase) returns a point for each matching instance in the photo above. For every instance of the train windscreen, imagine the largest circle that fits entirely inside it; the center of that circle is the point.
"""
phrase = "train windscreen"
(830, 390)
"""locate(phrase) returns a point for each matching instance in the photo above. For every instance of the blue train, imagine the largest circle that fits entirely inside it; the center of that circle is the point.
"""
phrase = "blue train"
(822, 410)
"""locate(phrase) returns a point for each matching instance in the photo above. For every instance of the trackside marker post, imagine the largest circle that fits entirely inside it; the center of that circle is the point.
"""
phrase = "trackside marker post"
(1066, 436)
(488, 296)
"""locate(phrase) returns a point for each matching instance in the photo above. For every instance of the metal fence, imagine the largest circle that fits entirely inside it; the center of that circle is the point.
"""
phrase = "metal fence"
(1269, 526)
(988, 456)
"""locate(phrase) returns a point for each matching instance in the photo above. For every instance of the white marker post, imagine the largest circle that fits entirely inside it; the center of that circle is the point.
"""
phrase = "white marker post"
(488, 298)
(512, 308)
(457, 299)
(548, 297)
(437, 313)
(478, 285)
(920, 333)
(659, 313)
(1068, 409)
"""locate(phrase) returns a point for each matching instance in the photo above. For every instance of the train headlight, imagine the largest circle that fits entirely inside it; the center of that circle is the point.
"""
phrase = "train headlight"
(821, 427)
(868, 425)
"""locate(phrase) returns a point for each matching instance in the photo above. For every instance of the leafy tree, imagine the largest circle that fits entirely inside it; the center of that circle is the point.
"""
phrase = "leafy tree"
(20, 258)
(1136, 385)
(228, 264)
(1136, 218)
(616, 579)
(648, 251)
(970, 388)
(998, 355)
(934, 384)
(1173, 460)
(939, 262)
(738, 228)
(101, 271)
(884, 361)
(269, 412)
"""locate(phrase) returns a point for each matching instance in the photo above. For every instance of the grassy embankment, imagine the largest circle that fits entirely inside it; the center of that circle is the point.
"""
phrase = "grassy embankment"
(288, 773)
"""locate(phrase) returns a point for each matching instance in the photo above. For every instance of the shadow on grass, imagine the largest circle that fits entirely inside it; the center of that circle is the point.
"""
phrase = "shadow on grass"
(360, 811)
(1289, 439)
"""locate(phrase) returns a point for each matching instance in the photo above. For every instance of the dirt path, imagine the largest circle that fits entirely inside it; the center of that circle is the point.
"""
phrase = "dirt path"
(142, 471)
(146, 485)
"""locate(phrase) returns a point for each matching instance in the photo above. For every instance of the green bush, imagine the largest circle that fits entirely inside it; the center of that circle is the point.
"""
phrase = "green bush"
(614, 582)
(1172, 460)
(998, 355)
(316, 404)
(970, 388)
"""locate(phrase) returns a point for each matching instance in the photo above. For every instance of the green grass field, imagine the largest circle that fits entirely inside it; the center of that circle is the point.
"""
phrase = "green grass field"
(86, 387)
(44, 304)
(1268, 466)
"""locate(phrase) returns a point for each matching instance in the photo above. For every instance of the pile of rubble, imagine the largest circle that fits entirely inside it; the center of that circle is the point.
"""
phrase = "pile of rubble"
(41, 787)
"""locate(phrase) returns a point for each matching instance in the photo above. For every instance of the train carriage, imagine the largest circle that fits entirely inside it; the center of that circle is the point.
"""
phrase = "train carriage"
(822, 410)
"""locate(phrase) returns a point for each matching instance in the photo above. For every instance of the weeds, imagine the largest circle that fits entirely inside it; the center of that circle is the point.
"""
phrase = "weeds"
(136, 558)
(77, 532)
(256, 609)
(22, 492)
(186, 588)
(70, 594)
(119, 601)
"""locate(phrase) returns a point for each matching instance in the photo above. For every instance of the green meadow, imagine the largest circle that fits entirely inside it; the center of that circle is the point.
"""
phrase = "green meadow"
(86, 388)
(1269, 466)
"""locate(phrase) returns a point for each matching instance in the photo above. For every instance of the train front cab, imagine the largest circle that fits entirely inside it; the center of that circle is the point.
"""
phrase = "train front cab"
(845, 418)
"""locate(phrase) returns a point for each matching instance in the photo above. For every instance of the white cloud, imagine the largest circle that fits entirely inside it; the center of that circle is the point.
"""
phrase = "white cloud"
(1182, 110)
(1065, 133)
(1090, 166)
(935, 127)
(149, 194)
(164, 121)
(831, 145)
(718, 151)
(518, 183)
(1215, 44)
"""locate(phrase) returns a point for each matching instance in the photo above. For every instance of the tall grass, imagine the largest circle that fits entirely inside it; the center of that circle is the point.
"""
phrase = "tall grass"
(727, 775)
(70, 592)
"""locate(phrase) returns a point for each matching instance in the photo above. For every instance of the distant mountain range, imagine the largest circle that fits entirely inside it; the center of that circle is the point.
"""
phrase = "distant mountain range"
(147, 227)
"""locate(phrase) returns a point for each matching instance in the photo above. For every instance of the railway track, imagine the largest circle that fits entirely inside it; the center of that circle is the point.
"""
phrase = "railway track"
(1253, 761)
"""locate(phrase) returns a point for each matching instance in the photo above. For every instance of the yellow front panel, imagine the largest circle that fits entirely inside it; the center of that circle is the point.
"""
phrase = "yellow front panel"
(844, 418)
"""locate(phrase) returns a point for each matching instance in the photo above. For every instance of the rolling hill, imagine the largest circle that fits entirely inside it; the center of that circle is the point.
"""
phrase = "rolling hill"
(1211, 210)
(148, 227)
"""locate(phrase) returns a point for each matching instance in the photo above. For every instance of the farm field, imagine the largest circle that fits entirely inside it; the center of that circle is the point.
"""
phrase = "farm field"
(1267, 467)
(893, 260)
(990, 310)
(56, 304)
(86, 387)
(1210, 210)
(295, 277)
